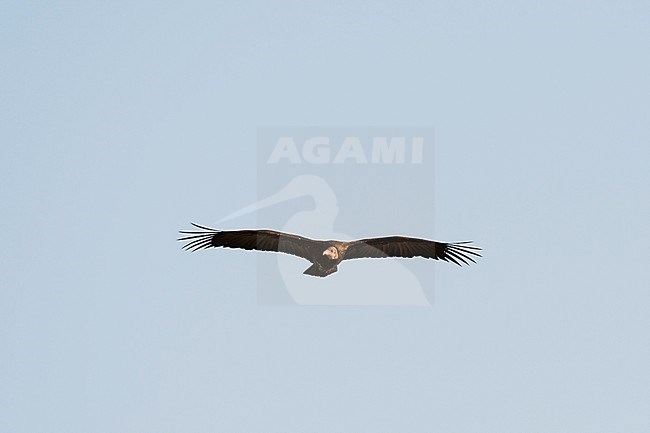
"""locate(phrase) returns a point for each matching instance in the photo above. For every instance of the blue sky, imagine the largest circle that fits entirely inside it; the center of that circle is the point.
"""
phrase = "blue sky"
(123, 121)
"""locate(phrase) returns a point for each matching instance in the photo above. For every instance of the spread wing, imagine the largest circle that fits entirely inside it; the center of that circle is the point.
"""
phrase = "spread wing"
(400, 246)
(260, 240)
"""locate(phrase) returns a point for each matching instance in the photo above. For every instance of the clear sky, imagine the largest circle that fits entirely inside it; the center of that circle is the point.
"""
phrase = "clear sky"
(122, 121)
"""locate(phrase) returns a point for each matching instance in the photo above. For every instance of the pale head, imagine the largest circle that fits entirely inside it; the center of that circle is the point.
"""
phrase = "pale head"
(332, 253)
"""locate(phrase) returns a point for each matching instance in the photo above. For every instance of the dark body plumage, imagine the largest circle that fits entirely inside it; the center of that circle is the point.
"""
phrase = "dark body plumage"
(326, 255)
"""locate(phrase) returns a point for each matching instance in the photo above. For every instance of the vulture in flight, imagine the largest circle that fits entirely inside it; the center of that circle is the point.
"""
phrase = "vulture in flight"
(326, 255)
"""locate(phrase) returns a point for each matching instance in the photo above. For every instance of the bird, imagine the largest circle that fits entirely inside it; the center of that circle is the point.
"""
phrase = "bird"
(326, 255)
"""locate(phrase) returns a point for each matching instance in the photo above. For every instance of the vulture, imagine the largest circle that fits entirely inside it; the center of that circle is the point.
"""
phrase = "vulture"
(326, 255)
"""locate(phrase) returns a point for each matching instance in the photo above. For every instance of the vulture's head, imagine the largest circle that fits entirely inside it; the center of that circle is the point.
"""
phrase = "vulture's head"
(331, 253)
